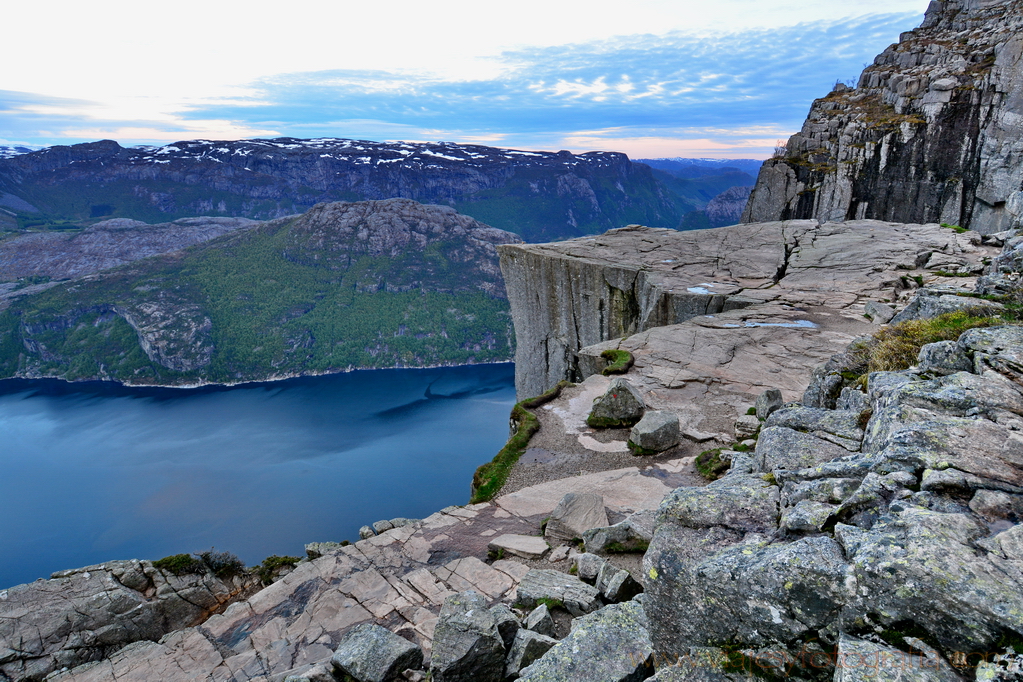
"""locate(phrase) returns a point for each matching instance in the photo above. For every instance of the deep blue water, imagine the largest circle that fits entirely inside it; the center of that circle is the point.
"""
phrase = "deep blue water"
(95, 472)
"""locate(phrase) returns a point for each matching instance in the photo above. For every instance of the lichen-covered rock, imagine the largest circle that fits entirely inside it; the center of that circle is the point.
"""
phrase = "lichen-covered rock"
(528, 646)
(743, 502)
(746, 426)
(467, 646)
(841, 427)
(943, 357)
(751, 592)
(807, 516)
(588, 566)
(577, 597)
(616, 585)
(610, 645)
(575, 514)
(370, 653)
(621, 405)
(782, 448)
(859, 660)
(657, 431)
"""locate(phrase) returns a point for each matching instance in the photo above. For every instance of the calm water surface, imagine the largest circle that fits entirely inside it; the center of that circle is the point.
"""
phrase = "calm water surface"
(94, 472)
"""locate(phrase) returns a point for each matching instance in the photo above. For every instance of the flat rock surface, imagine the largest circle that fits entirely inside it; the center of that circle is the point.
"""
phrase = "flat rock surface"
(398, 579)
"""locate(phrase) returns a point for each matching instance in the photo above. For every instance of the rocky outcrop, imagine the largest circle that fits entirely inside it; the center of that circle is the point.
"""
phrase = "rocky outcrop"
(266, 179)
(107, 244)
(931, 132)
(570, 295)
(88, 613)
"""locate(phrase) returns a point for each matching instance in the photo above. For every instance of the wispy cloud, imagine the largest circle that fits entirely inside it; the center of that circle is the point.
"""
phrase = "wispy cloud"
(719, 95)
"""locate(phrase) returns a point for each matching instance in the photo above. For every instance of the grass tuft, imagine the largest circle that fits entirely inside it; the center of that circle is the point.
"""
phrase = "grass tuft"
(621, 361)
(271, 564)
(710, 465)
(489, 477)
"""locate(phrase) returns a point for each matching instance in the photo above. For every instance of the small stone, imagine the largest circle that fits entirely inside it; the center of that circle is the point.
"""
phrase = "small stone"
(314, 550)
(559, 554)
(588, 566)
(527, 647)
(370, 653)
(525, 546)
(879, 312)
(807, 516)
(540, 620)
(616, 585)
(366, 532)
(656, 431)
(769, 401)
(382, 526)
(620, 406)
(746, 426)
(574, 515)
(507, 623)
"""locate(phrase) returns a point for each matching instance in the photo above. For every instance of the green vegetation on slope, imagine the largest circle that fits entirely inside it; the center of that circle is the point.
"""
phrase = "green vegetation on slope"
(277, 303)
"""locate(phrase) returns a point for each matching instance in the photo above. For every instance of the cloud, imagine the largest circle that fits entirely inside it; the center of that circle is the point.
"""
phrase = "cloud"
(718, 95)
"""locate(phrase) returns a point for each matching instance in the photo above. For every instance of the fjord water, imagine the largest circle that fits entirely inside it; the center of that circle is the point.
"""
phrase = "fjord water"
(95, 472)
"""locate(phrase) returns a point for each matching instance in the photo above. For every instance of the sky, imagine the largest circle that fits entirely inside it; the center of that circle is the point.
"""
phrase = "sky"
(651, 78)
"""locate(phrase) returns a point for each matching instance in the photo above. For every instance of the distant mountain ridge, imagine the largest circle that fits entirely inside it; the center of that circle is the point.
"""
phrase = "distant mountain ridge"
(538, 195)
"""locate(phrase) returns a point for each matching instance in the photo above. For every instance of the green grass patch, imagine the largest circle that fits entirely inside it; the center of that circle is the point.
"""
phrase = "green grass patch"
(710, 465)
(180, 564)
(946, 273)
(954, 228)
(272, 564)
(635, 546)
(751, 412)
(640, 451)
(551, 604)
(490, 477)
(620, 361)
(897, 346)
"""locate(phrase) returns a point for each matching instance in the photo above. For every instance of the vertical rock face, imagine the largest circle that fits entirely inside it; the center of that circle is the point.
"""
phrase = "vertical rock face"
(933, 132)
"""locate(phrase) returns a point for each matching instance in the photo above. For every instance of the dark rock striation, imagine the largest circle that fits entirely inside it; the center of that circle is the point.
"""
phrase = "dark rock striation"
(931, 133)
(265, 179)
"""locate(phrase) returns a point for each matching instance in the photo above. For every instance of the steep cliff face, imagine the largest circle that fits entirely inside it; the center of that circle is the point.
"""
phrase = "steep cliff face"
(572, 294)
(540, 195)
(933, 132)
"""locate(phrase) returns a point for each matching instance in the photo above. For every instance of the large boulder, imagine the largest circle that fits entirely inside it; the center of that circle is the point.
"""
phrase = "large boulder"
(780, 447)
(657, 431)
(467, 646)
(742, 502)
(930, 303)
(768, 401)
(576, 514)
(841, 427)
(540, 585)
(620, 406)
(370, 653)
(610, 645)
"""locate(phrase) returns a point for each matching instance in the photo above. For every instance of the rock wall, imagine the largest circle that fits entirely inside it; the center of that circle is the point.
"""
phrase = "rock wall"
(933, 132)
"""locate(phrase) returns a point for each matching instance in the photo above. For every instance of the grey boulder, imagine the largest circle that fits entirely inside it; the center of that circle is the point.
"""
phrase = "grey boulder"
(616, 585)
(527, 647)
(879, 312)
(767, 402)
(575, 514)
(539, 584)
(467, 646)
(370, 653)
(620, 406)
(860, 660)
(930, 303)
(611, 645)
(657, 431)
(507, 623)
(540, 620)
(943, 357)
(780, 447)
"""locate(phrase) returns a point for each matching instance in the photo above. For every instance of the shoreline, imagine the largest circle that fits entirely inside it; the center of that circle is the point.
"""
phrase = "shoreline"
(227, 385)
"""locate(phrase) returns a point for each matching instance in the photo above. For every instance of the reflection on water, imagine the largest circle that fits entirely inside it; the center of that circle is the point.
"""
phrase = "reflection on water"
(94, 472)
